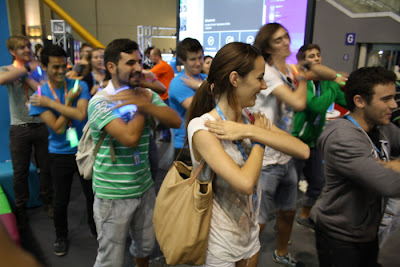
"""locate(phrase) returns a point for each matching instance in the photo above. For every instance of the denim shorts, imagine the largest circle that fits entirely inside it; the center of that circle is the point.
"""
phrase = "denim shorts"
(390, 222)
(279, 190)
(115, 218)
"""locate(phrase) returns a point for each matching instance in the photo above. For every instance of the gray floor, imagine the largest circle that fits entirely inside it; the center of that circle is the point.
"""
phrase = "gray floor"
(83, 247)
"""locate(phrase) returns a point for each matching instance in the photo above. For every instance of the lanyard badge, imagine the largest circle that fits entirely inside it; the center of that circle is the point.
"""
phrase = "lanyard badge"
(72, 137)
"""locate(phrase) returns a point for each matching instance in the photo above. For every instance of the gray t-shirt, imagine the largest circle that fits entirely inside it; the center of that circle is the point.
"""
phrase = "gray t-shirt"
(17, 99)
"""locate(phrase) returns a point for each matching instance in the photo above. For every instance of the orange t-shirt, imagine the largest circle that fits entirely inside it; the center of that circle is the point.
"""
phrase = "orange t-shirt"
(164, 73)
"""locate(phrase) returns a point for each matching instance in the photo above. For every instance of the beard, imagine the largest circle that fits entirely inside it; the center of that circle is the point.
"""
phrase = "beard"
(129, 82)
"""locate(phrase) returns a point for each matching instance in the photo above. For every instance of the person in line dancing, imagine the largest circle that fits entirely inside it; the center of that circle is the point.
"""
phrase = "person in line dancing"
(235, 79)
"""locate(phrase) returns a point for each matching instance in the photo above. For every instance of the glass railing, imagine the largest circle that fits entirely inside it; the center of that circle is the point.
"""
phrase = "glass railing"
(371, 6)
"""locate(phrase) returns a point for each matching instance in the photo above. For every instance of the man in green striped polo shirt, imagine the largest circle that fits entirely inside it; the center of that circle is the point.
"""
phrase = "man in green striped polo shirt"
(123, 187)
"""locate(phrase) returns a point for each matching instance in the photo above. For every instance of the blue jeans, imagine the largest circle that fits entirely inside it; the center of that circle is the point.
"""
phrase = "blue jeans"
(279, 190)
(312, 170)
(115, 218)
(390, 221)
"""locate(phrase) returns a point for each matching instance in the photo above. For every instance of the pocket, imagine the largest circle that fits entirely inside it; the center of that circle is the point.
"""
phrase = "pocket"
(102, 209)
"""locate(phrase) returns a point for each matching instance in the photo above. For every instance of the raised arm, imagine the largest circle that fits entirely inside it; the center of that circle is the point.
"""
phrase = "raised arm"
(324, 73)
(191, 82)
(296, 99)
(12, 74)
(243, 179)
(166, 115)
(148, 80)
(127, 133)
(78, 113)
(273, 137)
(58, 125)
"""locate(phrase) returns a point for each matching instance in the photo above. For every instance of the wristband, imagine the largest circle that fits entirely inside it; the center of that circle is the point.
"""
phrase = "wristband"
(338, 75)
(70, 99)
(256, 143)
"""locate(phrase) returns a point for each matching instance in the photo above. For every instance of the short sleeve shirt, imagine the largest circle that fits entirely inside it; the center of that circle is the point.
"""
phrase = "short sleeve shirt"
(58, 143)
(18, 96)
(269, 104)
(178, 92)
(129, 176)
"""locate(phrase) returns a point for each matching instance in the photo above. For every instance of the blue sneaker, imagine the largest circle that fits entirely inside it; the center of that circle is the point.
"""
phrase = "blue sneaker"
(286, 260)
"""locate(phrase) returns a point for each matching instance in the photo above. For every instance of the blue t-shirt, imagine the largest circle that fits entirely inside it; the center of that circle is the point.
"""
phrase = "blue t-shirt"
(173, 64)
(178, 92)
(58, 143)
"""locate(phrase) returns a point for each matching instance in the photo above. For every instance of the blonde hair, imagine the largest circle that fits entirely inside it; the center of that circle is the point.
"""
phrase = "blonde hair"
(16, 41)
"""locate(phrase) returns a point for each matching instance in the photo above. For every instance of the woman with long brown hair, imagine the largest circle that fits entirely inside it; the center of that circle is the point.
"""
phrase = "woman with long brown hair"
(235, 79)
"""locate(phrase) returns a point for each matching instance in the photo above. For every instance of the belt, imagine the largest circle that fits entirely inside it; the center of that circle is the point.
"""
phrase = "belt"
(30, 125)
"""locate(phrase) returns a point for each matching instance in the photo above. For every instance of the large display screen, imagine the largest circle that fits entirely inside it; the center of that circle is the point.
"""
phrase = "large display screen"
(218, 22)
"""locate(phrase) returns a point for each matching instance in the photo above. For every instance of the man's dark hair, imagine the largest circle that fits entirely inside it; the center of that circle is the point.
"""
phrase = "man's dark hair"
(51, 50)
(301, 54)
(188, 45)
(362, 82)
(86, 45)
(116, 47)
(147, 50)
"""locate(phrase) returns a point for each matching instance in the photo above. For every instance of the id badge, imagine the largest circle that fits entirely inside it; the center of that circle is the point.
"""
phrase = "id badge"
(136, 157)
(72, 137)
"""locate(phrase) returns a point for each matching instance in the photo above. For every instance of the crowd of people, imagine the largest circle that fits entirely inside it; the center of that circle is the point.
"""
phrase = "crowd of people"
(257, 122)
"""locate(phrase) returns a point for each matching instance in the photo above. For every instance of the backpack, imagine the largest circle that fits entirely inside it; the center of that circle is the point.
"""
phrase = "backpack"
(87, 152)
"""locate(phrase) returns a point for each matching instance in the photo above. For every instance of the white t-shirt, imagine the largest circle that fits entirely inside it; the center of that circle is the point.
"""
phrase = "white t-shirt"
(234, 226)
(276, 111)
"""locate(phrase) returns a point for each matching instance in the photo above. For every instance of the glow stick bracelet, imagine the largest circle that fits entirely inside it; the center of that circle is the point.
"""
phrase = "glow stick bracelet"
(16, 64)
(76, 86)
(39, 71)
(127, 108)
(39, 90)
(296, 72)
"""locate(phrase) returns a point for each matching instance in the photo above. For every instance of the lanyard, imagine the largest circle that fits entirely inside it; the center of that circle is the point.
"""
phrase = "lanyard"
(221, 114)
(54, 93)
(318, 91)
(18, 65)
(377, 152)
(56, 97)
(291, 85)
(254, 197)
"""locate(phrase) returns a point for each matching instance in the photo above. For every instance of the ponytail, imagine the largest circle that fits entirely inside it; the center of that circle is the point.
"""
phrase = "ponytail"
(202, 102)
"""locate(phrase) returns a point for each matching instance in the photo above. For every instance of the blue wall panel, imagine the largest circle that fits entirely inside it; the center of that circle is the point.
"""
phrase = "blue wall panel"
(5, 59)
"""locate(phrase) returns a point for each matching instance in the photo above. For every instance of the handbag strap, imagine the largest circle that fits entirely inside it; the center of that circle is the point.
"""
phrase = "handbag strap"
(180, 152)
(196, 173)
